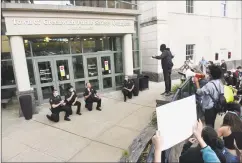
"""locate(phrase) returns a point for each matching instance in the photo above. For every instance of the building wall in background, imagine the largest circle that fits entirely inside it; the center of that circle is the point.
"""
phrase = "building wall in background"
(207, 28)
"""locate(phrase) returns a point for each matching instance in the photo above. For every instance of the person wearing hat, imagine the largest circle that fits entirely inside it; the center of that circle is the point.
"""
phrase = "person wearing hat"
(71, 100)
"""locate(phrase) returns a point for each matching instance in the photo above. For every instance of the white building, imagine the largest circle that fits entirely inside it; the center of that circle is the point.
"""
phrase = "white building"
(190, 29)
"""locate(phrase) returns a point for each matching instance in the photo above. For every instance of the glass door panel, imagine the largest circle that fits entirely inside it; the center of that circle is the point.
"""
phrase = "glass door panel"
(63, 71)
(107, 82)
(45, 72)
(92, 67)
(106, 65)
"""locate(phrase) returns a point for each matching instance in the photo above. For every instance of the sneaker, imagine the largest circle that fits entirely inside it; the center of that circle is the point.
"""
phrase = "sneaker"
(67, 119)
(79, 113)
(99, 109)
(163, 93)
(168, 94)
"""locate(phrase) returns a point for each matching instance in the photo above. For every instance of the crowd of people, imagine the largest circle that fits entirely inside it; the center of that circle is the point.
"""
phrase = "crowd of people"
(218, 93)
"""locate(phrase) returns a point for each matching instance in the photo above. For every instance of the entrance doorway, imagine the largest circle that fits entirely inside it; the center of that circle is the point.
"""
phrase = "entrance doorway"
(53, 73)
(58, 73)
(100, 71)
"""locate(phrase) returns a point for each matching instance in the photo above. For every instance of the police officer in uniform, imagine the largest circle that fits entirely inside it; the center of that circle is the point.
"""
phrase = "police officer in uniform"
(127, 88)
(58, 105)
(91, 96)
(71, 100)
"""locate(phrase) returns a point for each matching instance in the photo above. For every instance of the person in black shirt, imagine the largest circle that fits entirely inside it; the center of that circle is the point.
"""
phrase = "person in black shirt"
(58, 105)
(91, 96)
(128, 88)
(224, 67)
(71, 100)
(166, 64)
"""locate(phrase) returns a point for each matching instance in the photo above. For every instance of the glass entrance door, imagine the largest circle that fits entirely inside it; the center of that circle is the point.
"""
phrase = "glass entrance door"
(100, 71)
(45, 78)
(63, 75)
(93, 71)
(53, 74)
(107, 74)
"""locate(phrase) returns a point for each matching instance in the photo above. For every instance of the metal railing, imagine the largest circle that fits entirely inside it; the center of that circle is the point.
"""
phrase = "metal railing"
(185, 90)
(119, 4)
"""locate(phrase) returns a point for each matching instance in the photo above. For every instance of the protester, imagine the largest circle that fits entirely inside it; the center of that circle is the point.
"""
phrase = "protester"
(210, 92)
(91, 96)
(71, 100)
(167, 64)
(223, 66)
(209, 144)
(203, 64)
(58, 105)
(158, 142)
(231, 131)
(128, 88)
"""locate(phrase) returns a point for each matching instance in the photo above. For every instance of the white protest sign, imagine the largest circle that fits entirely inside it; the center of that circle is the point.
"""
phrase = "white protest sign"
(175, 121)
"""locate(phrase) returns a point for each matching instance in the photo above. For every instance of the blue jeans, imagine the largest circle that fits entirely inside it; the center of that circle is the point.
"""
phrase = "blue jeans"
(230, 158)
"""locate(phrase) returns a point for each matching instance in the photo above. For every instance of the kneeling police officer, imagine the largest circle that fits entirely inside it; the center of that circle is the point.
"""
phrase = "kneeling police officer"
(71, 100)
(58, 105)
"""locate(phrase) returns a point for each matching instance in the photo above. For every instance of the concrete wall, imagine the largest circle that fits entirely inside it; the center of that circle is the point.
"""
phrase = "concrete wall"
(167, 22)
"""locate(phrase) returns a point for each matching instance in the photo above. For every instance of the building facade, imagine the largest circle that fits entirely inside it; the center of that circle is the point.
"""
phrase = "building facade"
(54, 44)
(191, 29)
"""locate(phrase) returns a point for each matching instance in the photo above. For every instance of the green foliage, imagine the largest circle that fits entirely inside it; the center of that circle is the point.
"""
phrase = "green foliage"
(175, 87)
(125, 153)
(153, 121)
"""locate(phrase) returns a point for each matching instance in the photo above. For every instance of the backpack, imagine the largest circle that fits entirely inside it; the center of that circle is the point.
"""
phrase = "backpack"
(220, 104)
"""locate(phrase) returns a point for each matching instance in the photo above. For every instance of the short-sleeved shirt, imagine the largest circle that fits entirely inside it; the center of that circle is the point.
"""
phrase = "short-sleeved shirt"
(93, 91)
(128, 84)
(68, 95)
(55, 100)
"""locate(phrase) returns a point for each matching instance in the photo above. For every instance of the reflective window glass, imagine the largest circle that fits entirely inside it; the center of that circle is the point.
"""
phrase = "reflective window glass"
(48, 46)
(27, 48)
(31, 71)
(118, 62)
(78, 68)
(5, 48)
(119, 80)
(8, 93)
(76, 46)
(7, 77)
(89, 45)
(117, 43)
(80, 86)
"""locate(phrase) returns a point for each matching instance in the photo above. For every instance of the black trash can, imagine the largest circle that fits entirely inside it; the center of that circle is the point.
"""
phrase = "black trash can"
(144, 83)
(26, 106)
(136, 86)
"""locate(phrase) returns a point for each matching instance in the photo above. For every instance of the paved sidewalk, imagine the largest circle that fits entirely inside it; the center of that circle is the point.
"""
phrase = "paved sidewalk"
(92, 137)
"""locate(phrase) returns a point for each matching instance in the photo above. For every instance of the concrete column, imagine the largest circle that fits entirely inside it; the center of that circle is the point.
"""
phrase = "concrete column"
(128, 54)
(19, 63)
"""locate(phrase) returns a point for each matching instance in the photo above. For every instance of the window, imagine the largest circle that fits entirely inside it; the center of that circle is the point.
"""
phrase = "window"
(118, 62)
(50, 46)
(223, 5)
(78, 68)
(190, 51)
(189, 6)
(76, 46)
(7, 73)
(30, 71)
